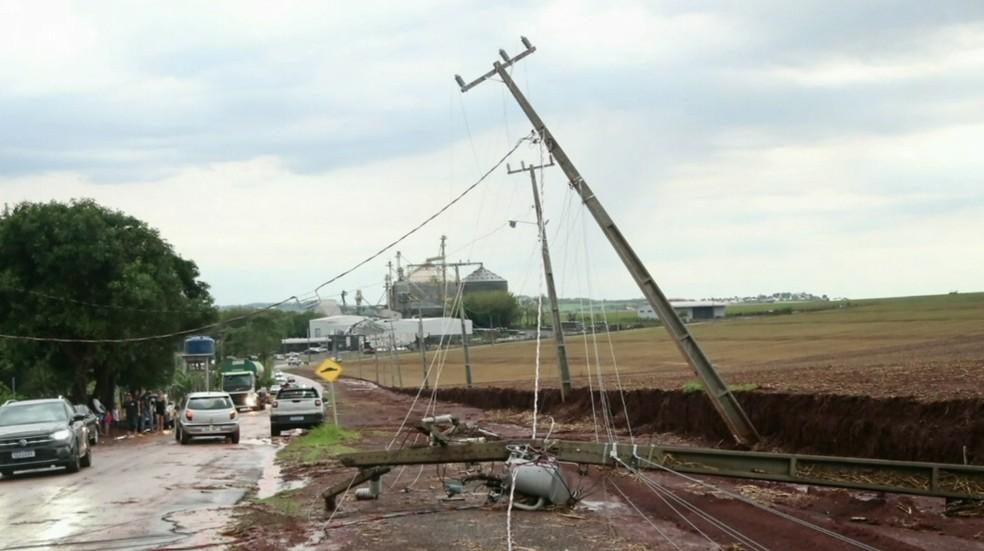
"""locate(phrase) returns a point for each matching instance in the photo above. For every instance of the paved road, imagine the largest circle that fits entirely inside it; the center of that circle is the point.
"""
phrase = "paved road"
(144, 493)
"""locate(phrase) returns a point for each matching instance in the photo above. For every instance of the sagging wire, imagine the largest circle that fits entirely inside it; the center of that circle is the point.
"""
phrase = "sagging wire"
(763, 507)
(645, 517)
(344, 273)
(666, 495)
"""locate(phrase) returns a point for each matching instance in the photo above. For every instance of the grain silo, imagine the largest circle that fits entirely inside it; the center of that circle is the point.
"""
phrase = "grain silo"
(483, 279)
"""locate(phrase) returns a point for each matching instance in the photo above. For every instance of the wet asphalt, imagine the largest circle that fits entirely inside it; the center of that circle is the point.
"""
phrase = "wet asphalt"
(143, 493)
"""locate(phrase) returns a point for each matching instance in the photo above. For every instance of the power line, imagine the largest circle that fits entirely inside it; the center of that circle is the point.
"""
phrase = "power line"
(372, 257)
(149, 337)
(47, 296)
(430, 218)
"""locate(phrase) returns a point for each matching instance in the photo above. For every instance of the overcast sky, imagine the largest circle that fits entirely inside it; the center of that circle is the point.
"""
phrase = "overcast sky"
(742, 147)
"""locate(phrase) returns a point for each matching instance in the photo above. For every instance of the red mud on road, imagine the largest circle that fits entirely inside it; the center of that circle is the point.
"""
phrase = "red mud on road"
(886, 428)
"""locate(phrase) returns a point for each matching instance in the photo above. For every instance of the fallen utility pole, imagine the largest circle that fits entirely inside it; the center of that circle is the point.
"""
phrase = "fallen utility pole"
(944, 480)
(565, 373)
(722, 398)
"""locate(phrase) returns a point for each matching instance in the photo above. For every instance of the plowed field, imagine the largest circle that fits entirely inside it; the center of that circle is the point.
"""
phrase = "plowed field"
(930, 348)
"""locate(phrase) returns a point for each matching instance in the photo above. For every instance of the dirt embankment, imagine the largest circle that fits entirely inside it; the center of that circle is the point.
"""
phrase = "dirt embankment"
(886, 428)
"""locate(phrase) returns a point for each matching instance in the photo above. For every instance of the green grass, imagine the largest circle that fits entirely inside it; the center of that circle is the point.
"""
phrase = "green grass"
(698, 386)
(320, 443)
(284, 503)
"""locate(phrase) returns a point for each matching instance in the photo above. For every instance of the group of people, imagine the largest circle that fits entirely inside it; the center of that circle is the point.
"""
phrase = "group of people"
(146, 411)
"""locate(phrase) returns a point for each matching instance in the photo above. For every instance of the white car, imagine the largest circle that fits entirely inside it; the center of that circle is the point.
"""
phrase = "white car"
(280, 377)
(296, 407)
(207, 414)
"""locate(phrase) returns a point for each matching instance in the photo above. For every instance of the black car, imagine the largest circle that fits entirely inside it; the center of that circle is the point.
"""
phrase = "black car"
(42, 433)
(91, 422)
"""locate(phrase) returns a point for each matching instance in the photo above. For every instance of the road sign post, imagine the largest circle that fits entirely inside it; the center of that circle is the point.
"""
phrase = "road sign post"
(330, 371)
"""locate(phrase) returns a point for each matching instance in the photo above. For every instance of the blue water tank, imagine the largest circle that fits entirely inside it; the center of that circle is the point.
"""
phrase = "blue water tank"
(199, 346)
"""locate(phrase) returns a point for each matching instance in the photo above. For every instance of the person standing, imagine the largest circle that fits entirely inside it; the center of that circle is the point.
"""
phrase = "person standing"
(131, 407)
(100, 412)
(148, 410)
(160, 406)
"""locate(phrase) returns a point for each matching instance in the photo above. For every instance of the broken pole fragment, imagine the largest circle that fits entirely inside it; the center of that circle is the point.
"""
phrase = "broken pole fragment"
(331, 493)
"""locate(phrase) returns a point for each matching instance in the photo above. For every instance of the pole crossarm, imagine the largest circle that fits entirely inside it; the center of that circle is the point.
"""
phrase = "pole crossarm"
(900, 477)
(508, 61)
(723, 400)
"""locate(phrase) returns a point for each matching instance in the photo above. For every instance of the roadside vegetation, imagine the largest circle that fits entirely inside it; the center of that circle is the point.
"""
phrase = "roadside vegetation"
(79, 270)
(697, 385)
(318, 444)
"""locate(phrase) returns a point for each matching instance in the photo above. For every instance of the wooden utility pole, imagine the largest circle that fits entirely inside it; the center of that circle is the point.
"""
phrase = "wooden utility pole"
(396, 360)
(444, 272)
(565, 373)
(721, 396)
(464, 334)
(420, 341)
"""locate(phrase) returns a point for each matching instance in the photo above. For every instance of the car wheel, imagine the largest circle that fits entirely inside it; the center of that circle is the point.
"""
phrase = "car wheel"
(274, 430)
(234, 438)
(74, 464)
(7, 474)
(86, 460)
(94, 437)
(184, 438)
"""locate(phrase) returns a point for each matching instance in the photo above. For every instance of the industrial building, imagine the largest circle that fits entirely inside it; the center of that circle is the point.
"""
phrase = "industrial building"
(353, 333)
(483, 279)
(420, 290)
(687, 310)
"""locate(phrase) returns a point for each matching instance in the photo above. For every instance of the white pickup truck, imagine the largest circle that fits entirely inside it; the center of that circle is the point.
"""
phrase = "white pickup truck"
(296, 407)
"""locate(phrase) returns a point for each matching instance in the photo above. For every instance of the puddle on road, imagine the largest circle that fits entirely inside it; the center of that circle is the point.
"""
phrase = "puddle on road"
(359, 384)
(600, 506)
(201, 527)
(271, 482)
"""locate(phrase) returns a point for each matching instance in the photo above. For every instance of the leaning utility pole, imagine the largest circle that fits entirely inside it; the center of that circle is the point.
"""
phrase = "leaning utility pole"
(565, 373)
(721, 397)
(464, 334)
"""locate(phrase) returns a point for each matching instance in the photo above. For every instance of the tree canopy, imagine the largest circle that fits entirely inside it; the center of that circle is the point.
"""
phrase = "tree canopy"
(491, 308)
(79, 270)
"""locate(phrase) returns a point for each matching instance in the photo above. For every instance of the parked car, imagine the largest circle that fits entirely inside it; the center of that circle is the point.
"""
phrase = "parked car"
(280, 377)
(208, 414)
(278, 356)
(91, 422)
(296, 407)
(294, 360)
(42, 433)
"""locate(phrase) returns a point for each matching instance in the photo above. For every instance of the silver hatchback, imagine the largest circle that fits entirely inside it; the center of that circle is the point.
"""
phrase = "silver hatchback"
(207, 414)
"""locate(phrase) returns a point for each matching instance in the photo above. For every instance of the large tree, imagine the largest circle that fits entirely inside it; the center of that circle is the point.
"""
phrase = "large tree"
(491, 308)
(82, 271)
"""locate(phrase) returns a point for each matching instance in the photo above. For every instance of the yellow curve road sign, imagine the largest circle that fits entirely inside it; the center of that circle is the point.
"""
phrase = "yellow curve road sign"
(329, 370)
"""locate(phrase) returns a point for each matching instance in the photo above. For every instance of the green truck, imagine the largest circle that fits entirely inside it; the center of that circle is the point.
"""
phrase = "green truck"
(241, 379)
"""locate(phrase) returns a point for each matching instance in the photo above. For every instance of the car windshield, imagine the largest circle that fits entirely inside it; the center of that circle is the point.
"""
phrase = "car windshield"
(22, 414)
(214, 402)
(297, 393)
(237, 382)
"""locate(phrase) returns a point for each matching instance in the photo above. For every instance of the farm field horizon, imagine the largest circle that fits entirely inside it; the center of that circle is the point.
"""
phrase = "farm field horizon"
(929, 347)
